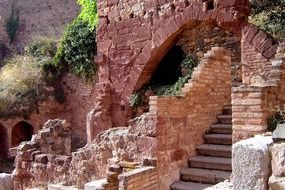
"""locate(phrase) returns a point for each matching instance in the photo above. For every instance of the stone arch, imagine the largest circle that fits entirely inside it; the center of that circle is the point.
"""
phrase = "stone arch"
(3, 142)
(129, 55)
(228, 15)
(22, 131)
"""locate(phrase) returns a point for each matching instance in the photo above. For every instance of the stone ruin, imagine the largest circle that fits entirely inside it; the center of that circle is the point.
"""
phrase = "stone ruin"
(163, 148)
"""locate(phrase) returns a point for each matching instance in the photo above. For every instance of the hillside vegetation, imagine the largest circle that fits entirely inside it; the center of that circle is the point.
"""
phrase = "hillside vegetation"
(269, 15)
(28, 79)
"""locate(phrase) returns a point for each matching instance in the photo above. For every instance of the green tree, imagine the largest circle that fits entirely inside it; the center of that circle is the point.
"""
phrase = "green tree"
(77, 49)
(270, 16)
(89, 12)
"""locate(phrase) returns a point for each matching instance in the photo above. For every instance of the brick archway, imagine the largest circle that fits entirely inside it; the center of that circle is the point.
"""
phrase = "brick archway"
(3, 142)
(132, 53)
(22, 131)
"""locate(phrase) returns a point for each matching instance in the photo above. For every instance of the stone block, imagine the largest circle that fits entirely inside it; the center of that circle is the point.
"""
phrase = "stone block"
(251, 163)
(279, 133)
(278, 159)
(6, 181)
(95, 185)
(277, 183)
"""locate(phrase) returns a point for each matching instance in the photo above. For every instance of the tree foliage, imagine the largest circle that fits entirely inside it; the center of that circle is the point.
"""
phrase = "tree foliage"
(89, 12)
(77, 49)
(270, 16)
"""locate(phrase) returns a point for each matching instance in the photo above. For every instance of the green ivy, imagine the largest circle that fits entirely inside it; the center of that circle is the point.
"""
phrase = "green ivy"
(77, 49)
(89, 12)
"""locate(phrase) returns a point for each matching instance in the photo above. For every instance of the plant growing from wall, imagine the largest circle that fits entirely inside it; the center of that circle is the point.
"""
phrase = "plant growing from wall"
(77, 49)
(89, 12)
(78, 44)
(139, 98)
(277, 118)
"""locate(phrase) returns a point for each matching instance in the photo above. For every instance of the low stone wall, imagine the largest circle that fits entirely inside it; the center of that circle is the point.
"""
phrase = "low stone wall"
(257, 48)
(135, 143)
(253, 104)
(45, 158)
(145, 178)
(183, 120)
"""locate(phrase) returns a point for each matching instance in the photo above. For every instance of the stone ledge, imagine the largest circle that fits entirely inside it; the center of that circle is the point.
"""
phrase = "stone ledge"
(139, 171)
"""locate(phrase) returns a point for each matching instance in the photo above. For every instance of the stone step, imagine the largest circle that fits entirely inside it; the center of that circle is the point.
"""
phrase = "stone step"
(222, 128)
(181, 185)
(95, 185)
(204, 175)
(215, 150)
(61, 187)
(227, 110)
(223, 139)
(207, 162)
(225, 119)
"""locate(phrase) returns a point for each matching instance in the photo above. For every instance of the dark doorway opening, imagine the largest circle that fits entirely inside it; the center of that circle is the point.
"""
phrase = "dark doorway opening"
(22, 131)
(168, 70)
(3, 142)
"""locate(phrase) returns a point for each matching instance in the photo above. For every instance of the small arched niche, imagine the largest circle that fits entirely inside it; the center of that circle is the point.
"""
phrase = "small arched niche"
(21, 132)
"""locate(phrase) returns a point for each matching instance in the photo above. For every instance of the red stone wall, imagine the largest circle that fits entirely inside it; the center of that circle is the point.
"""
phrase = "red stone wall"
(145, 178)
(257, 49)
(45, 158)
(80, 99)
(197, 39)
(132, 53)
(183, 120)
(255, 102)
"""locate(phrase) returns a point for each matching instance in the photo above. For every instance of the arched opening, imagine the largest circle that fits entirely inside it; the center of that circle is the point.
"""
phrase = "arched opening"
(172, 71)
(168, 70)
(22, 131)
(3, 142)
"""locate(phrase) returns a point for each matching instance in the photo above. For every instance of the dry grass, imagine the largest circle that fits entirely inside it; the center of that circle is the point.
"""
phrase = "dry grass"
(21, 83)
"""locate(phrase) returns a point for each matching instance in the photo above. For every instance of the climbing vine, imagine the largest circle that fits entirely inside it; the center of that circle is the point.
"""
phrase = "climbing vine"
(89, 12)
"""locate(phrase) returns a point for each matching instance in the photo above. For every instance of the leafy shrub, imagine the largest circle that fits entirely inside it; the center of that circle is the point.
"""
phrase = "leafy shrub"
(270, 16)
(42, 47)
(43, 50)
(139, 98)
(77, 49)
(89, 12)
(277, 118)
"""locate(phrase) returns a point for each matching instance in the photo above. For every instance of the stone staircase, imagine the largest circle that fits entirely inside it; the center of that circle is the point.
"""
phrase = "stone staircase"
(213, 162)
